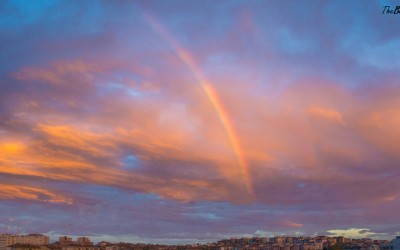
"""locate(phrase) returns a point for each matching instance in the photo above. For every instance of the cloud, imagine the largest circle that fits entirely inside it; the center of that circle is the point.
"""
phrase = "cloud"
(105, 122)
(293, 224)
(329, 114)
(354, 233)
(29, 193)
(167, 138)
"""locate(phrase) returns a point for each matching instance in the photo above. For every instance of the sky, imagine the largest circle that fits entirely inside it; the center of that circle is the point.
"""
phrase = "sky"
(193, 121)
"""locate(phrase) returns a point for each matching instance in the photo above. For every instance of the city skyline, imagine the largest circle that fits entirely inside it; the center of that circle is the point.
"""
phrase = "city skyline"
(35, 239)
(192, 121)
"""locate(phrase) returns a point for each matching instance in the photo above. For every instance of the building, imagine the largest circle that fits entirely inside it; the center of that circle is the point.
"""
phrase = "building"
(393, 245)
(278, 240)
(33, 239)
(65, 240)
(84, 241)
(7, 240)
(28, 247)
(396, 243)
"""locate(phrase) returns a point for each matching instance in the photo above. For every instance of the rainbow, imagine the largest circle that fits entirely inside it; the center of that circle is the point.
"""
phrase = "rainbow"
(212, 96)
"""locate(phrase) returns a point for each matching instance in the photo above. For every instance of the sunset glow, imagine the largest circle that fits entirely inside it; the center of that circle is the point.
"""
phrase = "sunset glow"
(192, 121)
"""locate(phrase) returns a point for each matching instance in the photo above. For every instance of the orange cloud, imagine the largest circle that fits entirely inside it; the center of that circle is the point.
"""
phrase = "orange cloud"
(8, 191)
(182, 149)
(53, 158)
(382, 128)
(292, 224)
(98, 145)
(329, 114)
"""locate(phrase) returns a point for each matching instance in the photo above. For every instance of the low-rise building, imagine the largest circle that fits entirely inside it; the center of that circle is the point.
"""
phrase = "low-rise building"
(7, 240)
(27, 247)
(65, 240)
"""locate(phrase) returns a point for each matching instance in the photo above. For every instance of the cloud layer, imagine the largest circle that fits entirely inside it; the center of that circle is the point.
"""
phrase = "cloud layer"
(104, 119)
